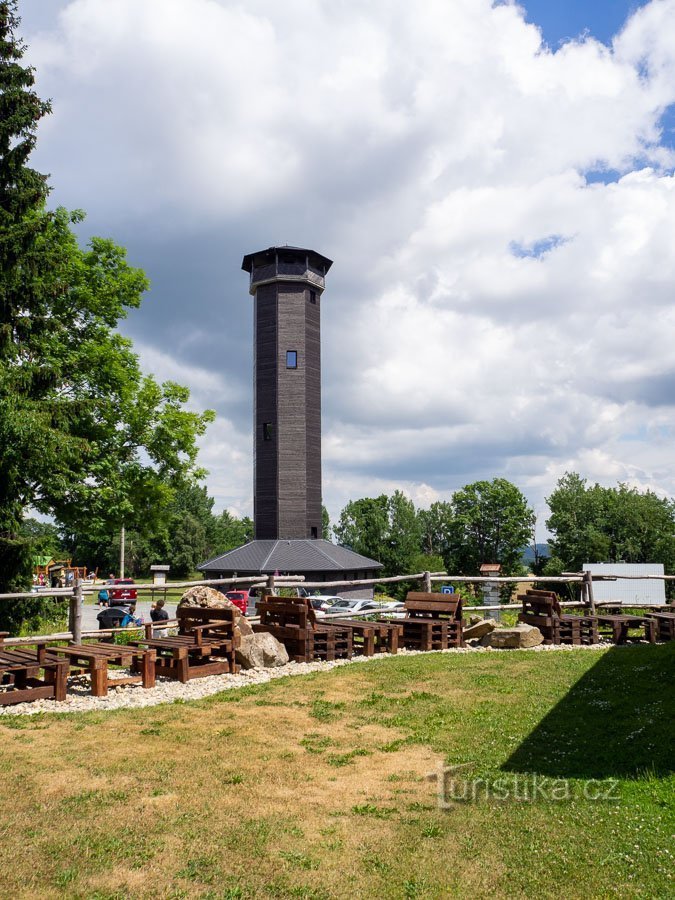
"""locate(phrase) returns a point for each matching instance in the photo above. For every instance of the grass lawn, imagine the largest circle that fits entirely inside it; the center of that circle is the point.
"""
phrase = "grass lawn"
(316, 787)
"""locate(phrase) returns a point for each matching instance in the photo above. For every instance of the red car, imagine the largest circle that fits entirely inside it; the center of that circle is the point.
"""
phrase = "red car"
(122, 593)
(240, 600)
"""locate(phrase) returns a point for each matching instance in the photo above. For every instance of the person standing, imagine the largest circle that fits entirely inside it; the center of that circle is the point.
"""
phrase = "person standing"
(159, 614)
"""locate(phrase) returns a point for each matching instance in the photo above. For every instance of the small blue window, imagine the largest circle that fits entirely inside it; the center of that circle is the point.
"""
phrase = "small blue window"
(291, 359)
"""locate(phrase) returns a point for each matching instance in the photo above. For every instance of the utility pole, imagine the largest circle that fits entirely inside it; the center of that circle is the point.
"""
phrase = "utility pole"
(122, 552)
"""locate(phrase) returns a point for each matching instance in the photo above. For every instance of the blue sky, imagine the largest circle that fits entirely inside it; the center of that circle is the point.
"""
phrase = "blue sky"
(498, 202)
(562, 20)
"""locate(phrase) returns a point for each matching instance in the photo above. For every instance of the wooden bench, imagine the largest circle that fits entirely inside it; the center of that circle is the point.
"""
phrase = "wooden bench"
(542, 610)
(206, 644)
(95, 658)
(292, 621)
(20, 674)
(432, 621)
(369, 638)
(665, 625)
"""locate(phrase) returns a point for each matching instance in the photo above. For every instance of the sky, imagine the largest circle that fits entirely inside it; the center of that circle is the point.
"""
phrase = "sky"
(494, 183)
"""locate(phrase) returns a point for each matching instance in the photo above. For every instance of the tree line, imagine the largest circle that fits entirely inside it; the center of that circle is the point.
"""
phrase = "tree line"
(188, 534)
(492, 522)
(487, 521)
(591, 523)
(483, 522)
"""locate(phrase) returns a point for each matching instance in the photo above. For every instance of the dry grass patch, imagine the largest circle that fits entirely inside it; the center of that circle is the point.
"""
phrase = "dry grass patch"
(176, 800)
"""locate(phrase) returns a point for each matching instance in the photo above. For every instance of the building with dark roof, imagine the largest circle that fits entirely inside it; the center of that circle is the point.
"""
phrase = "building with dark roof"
(287, 285)
(317, 560)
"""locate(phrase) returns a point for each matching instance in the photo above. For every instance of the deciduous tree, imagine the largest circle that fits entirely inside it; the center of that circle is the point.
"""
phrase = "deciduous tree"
(492, 521)
(591, 523)
(229, 532)
(84, 435)
(436, 524)
(363, 525)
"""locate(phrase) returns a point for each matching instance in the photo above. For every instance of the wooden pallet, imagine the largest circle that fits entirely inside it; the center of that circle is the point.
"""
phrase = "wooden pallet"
(664, 625)
(542, 610)
(20, 674)
(621, 625)
(206, 644)
(95, 659)
(432, 621)
(292, 621)
(369, 638)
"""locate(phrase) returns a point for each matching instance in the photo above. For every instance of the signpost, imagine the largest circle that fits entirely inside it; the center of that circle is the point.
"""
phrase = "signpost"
(447, 589)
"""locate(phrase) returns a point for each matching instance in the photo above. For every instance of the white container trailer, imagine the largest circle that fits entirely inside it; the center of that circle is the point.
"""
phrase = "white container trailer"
(637, 592)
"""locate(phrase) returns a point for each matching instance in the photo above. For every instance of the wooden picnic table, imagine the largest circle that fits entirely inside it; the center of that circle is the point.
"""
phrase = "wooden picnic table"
(183, 658)
(97, 657)
(665, 625)
(622, 623)
(20, 672)
(372, 637)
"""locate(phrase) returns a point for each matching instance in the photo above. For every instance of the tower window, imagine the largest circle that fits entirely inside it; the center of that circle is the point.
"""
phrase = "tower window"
(291, 359)
(312, 296)
(268, 431)
(315, 533)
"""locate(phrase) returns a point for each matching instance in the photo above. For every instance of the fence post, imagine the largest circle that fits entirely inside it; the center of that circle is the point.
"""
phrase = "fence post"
(71, 607)
(270, 584)
(588, 582)
(76, 612)
(427, 582)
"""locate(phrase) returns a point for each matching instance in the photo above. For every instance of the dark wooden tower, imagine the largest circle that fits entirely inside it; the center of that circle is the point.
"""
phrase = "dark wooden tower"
(287, 284)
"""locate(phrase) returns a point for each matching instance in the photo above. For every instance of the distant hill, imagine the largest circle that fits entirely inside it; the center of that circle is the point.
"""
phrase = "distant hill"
(527, 553)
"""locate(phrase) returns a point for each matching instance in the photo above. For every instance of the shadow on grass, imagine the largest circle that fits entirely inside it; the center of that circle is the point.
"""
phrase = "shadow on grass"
(616, 721)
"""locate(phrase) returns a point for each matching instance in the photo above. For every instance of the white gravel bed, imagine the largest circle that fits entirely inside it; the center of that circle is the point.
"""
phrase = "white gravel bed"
(134, 696)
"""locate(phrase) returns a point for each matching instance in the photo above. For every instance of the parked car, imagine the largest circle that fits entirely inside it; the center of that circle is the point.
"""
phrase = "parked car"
(391, 606)
(318, 605)
(323, 603)
(124, 594)
(342, 605)
(240, 600)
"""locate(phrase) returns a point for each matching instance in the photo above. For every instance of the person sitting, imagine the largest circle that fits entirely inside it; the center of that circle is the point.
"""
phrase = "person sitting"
(130, 619)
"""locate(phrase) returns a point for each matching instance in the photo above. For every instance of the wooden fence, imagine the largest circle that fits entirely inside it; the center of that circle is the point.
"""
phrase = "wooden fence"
(80, 589)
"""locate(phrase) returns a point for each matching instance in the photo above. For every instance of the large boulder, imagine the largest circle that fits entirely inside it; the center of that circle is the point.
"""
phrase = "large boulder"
(479, 629)
(261, 651)
(208, 598)
(516, 638)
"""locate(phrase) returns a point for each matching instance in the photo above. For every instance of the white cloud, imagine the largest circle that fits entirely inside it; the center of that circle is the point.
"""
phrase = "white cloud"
(490, 312)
